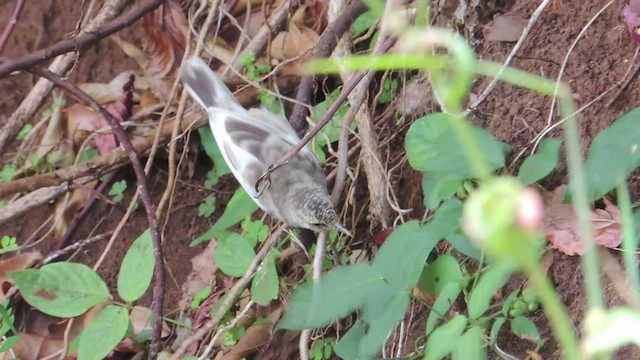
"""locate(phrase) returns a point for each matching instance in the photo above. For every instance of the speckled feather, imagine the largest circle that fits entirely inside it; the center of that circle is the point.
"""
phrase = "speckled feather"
(250, 141)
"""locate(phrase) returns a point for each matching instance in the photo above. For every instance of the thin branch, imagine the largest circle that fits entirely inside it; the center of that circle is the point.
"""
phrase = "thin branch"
(80, 42)
(325, 47)
(123, 138)
(12, 24)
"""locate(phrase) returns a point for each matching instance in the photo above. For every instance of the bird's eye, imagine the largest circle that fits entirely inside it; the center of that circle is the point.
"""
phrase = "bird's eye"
(317, 225)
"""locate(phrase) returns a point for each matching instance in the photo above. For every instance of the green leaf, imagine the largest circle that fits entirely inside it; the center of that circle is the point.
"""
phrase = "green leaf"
(213, 151)
(613, 155)
(234, 254)
(438, 187)
(445, 338)
(383, 324)
(463, 244)
(207, 207)
(495, 330)
(61, 289)
(337, 293)
(524, 328)
(447, 219)
(8, 343)
(447, 296)
(432, 145)
(88, 154)
(443, 271)
(254, 231)
(117, 190)
(349, 345)
(104, 333)
(137, 267)
(363, 23)
(402, 256)
(538, 166)
(491, 280)
(239, 206)
(471, 346)
(265, 285)
(24, 131)
(333, 129)
(200, 296)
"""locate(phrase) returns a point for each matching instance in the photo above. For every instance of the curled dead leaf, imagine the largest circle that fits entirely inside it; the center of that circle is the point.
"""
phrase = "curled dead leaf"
(16, 263)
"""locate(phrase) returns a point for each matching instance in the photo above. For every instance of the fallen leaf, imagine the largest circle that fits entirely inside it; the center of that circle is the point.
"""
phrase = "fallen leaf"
(560, 224)
(33, 347)
(203, 269)
(506, 28)
(16, 263)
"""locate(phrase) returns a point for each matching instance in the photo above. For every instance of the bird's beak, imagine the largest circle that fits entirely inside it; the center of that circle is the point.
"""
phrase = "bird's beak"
(343, 230)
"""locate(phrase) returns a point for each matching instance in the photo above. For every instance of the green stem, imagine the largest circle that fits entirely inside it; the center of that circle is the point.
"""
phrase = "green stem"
(629, 242)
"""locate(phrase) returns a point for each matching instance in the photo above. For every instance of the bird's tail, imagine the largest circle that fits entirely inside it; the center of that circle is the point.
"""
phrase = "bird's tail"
(206, 88)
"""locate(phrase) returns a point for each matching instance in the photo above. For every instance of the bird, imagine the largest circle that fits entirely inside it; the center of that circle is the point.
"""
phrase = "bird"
(250, 140)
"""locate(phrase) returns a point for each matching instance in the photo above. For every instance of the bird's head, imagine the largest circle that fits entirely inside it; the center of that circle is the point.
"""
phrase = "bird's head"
(318, 214)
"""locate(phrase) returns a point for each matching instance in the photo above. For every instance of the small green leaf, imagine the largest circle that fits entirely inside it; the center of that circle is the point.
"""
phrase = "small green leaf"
(432, 145)
(471, 346)
(239, 206)
(254, 231)
(117, 190)
(234, 254)
(363, 23)
(207, 207)
(213, 151)
(265, 285)
(538, 166)
(24, 131)
(604, 169)
(104, 333)
(524, 328)
(445, 338)
(443, 271)
(137, 267)
(8, 343)
(441, 306)
(495, 330)
(88, 154)
(402, 256)
(490, 280)
(200, 296)
(61, 289)
(337, 293)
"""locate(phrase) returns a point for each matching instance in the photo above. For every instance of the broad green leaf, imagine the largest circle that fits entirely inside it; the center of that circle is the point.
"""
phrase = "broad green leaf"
(432, 145)
(401, 258)
(447, 219)
(337, 293)
(463, 244)
(445, 338)
(524, 328)
(438, 187)
(539, 165)
(213, 151)
(137, 267)
(441, 306)
(61, 289)
(383, 324)
(234, 254)
(611, 329)
(239, 206)
(613, 155)
(471, 346)
(104, 333)
(490, 280)
(264, 287)
(349, 345)
(443, 271)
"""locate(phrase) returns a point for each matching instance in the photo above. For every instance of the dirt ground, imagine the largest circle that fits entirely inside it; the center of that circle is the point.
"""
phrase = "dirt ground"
(598, 63)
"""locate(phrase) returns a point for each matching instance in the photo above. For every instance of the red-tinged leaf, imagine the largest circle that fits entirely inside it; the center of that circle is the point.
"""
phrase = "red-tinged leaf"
(382, 235)
(560, 224)
(631, 14)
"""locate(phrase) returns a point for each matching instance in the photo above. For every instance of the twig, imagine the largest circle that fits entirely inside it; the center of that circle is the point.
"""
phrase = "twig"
(485, 93)
(30, 201)
(348, 88)
(224, 329)
(12, 24)
(325, 47)
(81, 42)
(75, 246)
(231, 295)
(60, 65)
(123, 138)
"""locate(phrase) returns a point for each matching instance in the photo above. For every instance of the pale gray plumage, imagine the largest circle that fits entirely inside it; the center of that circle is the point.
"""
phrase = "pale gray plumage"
(250, 141)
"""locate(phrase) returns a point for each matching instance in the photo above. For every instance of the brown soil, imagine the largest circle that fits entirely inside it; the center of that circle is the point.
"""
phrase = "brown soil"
(515, 116)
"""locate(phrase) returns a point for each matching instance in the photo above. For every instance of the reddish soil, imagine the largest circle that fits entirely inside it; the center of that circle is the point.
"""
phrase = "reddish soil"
(515, 116)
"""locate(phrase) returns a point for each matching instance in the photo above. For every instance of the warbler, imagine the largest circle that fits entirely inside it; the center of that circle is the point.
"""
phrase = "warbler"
(250, 141)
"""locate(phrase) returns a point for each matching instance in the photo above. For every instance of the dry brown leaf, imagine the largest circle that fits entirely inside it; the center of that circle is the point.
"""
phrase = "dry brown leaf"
(203, 269)
(33, 347)
(297, 42)
(67, 207)
(16, 263)
(254, 338)
(560, 224)
(506, 28)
